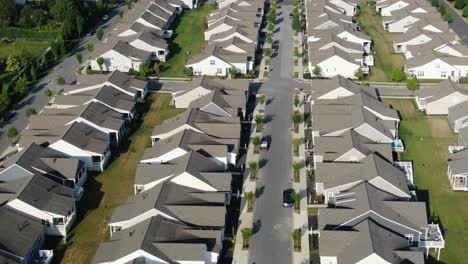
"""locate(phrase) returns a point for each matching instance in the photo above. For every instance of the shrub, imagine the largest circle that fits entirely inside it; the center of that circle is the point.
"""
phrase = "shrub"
(47, 92)
(270, 27)
(296, 52)
(99, 33)
(359, 74)
(269, 39)
(442, 9)
(30, 111)
(449, 16)
(12, 132)
(60, 80)
(412, 84)
(79, 57)
(89, 47)
(460, 4)
(465, 11)
(435, 3)
(398, 75)
(267, 52)
(317, 71)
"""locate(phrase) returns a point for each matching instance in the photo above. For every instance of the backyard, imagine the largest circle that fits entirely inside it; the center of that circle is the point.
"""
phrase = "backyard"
(385, 60)
(111, 188)
(35, 47)
(188, 40)
(426, 140)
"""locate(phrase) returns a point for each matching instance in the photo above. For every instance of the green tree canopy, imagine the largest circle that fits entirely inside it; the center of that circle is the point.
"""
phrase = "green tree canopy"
(7, 12)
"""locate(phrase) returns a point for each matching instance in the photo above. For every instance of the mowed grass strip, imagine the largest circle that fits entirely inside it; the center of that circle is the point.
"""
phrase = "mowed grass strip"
(385, 59)
(35, 47)
(426, 141)
(112, 187)
(188, 40)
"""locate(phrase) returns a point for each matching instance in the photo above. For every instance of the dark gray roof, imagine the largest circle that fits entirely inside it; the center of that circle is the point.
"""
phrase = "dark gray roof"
(18, 234)
(458, 162)
(126, 81)
(220, 53)
(103, 116)
(35, 190)
(138, 27)
(458, 111)
(158, 11)
(321, 87)
(40, 159)
(153, 39)
(230, 87)
(231, 104)
(86, 137)
(165, 239)
(210, 171)
(165, 6)
(130, 51)
(188, 205)
(248, 32)
(153, 20)
(115, 98)
(441, 90)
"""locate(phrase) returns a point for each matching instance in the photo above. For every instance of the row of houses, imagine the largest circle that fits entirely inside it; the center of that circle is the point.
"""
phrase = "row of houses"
(335, 42)
(432, 50)
(74, 134)
(451, 99)
(183, 182)
(231, 38)
(372, 215)
(140, 37)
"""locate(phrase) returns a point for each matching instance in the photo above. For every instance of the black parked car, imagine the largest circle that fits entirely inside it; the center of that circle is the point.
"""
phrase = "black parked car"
(288, 197)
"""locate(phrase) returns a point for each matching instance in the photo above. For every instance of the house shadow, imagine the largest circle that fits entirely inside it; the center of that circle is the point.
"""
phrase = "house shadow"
(256, 226)
(259, 190)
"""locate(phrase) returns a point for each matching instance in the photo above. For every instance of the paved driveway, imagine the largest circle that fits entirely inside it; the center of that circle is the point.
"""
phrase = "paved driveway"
(272, 228)
(66, 68)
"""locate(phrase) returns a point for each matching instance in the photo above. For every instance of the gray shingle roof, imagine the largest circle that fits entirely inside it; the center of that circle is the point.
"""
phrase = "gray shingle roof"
(441, 90)
(458, 111)
(323, 86)
(130, 51)
(153, 39)
(231, 104)
(86, 137)
(115, 98)
(220, 53)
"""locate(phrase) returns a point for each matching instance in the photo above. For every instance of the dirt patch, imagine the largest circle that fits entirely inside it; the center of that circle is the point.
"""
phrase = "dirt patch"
(439, 127)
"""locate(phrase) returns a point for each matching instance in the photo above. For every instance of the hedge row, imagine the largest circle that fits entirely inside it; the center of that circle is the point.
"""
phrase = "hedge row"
(13, 32)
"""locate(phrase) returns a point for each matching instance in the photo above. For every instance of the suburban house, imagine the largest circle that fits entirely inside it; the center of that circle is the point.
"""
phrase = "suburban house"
(151, 42)
(159, 240)
(165, 150)
(66, 171)
(337, 87)
(39, 199)
(402, 20)
(22, 239)
(192, 170)
(227, 23)
(348, 8)
(436, 65)
(437, 99)
(372, 169)
(458, 116)
(205, 210)
(348, 147)
(122, 56)
(458, 170)
(334, 61)
(245, 33)
(199, 121)
(185, 94)
(220, 103)
(217, 61)
(367, 224)
(416, 37)
(328, 40)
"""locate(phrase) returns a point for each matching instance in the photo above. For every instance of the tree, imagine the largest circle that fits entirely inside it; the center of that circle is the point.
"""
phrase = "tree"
(156, 68)
(79, 57)
(129, 4)
(33, 72)
(398, 75)
(435, 3)
(144, 69)
(296, 23)
(296, 169)
(295, 3)
(67, 12)
(460, 4)
(30, 111)
(18, 61)
(234, 72)
(267, 52)
(296, 235)
(256, 141)
(270, 27)
(246, 234)
(99, 33)
(296, 142)
(21, 85)
(442, 9)
(250, 197)
(121, 13)
(100, 61)
(79, 25)
(39, 18)
(61, 45)
(12, 132)
(261, 99)
(25, 17)
(317, 71)
(253, 166)
(89, 47)
(48, 92)
(465, 11)
(296, 119)
(412, 84)
(297, 197)
(259, 120)
(7, 12)
(296, 100)
(269, 39)
(296, 52)
(55, 49)
(60, 80)
(359, 74)
(449, 16)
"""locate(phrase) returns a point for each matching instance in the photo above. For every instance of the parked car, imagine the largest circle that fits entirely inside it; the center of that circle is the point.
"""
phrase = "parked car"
(264, 144)
(291, 15)
(105, 17)
(288, 198)
(275, 48)
(90, 33)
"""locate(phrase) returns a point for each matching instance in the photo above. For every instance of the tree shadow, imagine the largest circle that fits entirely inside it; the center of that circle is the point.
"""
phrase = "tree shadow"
(262, 163)
(269, 118)
(277, 30)
(259, 190)
(257, 225)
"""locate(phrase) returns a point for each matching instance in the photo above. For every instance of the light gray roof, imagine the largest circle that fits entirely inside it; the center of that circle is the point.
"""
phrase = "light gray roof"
(190, 140)
(220, 53)
(458, 111)
(247, 47)
(231, 87)
(153, 39)
(319, 56)
(154, 20)
(324, 86)
(231, 104)
(130, 51)
(158, 11)
(458, 162)
(190, 206)
(210, 171)
(327, 38)
(165, 6)
(248, 32)
(216, 126)
(441, 90)
(332, 148)
(18, 234)
(162, 238)
(115, 98)
(337, 174)
(431, 55)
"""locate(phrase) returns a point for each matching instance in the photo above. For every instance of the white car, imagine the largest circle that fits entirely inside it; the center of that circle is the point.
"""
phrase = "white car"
(264, 144)
(105, 17)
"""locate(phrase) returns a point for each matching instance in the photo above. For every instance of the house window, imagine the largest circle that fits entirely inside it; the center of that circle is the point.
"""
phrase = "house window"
(58, 221)
(443, 74)
(420, 74)
(409, 237)
(411, 72)
(212, 62)
(96, 158)
(219, 71)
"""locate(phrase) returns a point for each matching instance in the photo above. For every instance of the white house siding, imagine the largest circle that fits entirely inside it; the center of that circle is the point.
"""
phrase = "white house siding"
(338, 66)
(348, 9)
(216, 30)
(190, 4)
(328, 259)
(373, 259)
(175, 131)
(205, 67)
(214, 109)
(351, 156)
(387, 11)
(235, 34)
(186, 179)
(460, 123)
(85, 156)
(401, 47)
(400, 26)
(331, 192)
(352, 38)
(148, 258)
(242, 67)
(440, 107)
(184, 100)
(450, 51)
(138, 219)
(336, 93)
(173, 154)
(372, 134)
(382, 184)
(115, 61)
(141, 45)
(436, 69)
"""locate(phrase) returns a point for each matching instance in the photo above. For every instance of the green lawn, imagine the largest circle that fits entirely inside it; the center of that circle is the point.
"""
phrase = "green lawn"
(111, 188)
(36, 47)
(426, 139)
(188, 40)
(385, 60)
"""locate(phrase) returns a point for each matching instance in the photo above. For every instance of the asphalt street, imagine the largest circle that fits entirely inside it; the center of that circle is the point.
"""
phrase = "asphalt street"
(66, 68)
(271, 240)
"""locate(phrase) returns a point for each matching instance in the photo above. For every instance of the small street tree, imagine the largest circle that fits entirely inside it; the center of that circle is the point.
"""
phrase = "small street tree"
(296, 142)
(317, 71)
(99, 33)
(100, 61)
(60, 80)
(30, 112)
(261, 99)
(47, 92)
(442, 9)
(297, 101)
(250, 197)
(253, 167)
(269, 39)
(144, 69)
(359, 74)
(412, 84)
(449, 16)
(129, 4)
(296, 236)
(398, 75)
(296, 119)
(121, 13)
(296, 169)
(246, 234)
(270, 27)
(256, 141)
(89, 47)
(156, 68)
(297, 197)
(12, 132)
(259, 120)
(79, 57)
